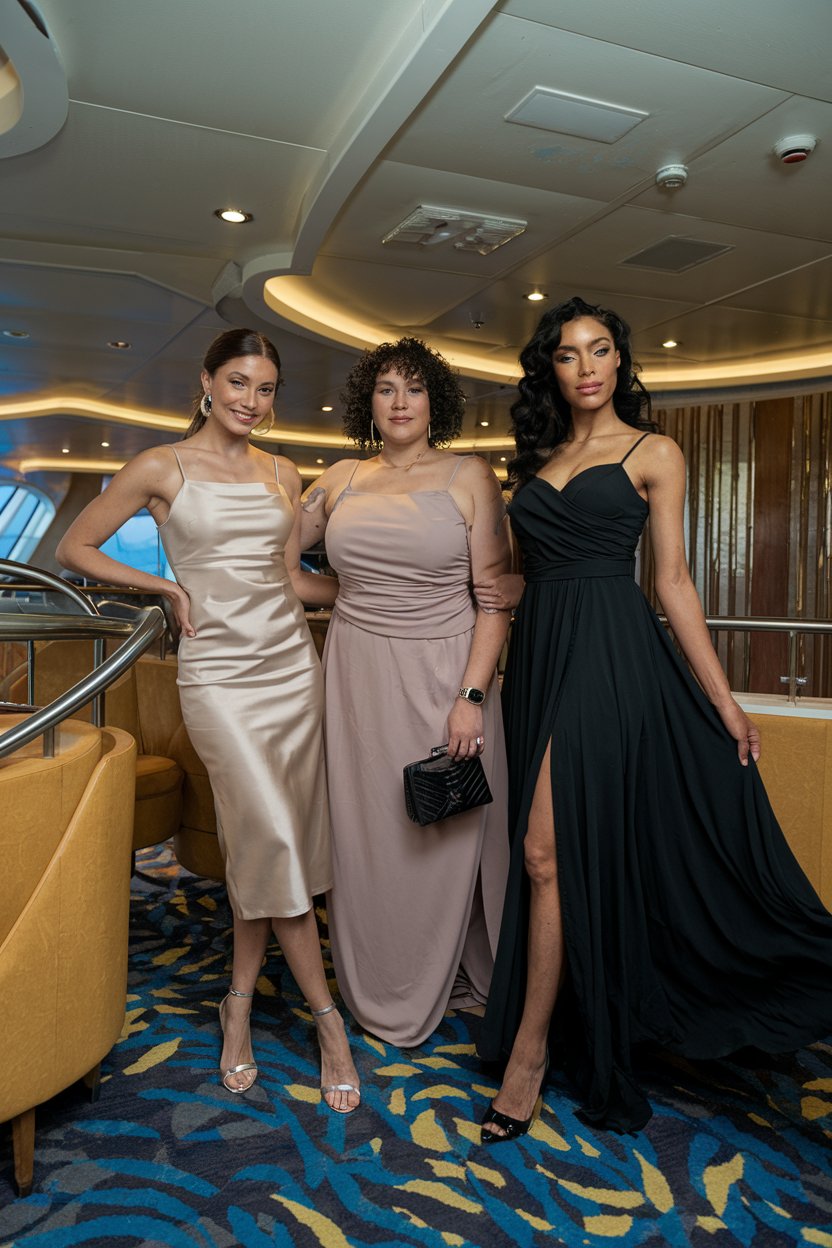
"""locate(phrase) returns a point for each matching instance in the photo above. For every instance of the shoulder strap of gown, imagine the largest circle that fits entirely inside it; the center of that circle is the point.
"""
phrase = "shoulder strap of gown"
(635, 444)
(460, 461)
(276, 472)
(179, 462)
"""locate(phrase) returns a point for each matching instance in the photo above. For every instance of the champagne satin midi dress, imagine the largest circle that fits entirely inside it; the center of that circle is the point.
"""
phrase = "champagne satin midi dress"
(251, 690)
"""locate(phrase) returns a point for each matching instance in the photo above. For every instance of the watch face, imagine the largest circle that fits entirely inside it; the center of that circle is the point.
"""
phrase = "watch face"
(475, 695)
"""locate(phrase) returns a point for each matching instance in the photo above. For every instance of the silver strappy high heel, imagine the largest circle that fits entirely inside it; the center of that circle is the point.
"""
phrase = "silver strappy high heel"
(336, 1087)
(235, 1070)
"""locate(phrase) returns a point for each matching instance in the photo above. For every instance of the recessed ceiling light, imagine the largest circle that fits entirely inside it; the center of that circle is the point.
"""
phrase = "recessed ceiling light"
(64, 450)
(327, 407)
(320, 461)
(118, 344)
(105, 443)
(484, 424)
(670, 342)
(15, 333)
(235, 216)
(536, 296)
(502, 459)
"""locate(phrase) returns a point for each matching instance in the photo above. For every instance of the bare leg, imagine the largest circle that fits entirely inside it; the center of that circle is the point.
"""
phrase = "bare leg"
(299, 940)
(526, 1065)
(250, 939)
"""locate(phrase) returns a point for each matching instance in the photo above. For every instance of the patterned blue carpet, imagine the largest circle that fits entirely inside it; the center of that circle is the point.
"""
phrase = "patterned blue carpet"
(733, 1155)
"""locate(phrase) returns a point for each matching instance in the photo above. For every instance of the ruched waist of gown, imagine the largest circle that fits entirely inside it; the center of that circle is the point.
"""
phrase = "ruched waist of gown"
(406, 612)
(578, 569)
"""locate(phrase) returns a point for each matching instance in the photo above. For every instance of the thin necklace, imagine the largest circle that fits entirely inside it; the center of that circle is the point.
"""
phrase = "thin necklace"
(402, 467)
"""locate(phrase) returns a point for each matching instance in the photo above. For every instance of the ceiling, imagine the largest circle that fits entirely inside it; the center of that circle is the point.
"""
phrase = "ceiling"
(123, 126)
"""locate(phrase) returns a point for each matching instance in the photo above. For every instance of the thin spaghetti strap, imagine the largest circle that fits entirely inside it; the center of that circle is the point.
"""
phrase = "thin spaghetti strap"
(358, 464)
(179, 462)
(635, 444)
(461, 460)
(276, 473)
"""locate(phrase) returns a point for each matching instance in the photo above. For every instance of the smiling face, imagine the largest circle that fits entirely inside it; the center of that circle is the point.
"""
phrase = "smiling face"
(585, 364)
(242, 392)
(401, 409)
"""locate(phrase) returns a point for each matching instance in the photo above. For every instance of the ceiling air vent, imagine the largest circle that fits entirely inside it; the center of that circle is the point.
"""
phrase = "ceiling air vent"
(464, 231)
(675, 255)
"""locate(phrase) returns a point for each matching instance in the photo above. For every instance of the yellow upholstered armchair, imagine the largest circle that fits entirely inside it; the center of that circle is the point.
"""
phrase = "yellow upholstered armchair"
(65, 841)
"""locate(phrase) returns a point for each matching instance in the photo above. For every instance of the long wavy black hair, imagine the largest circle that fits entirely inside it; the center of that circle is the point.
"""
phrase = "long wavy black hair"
(541, 418)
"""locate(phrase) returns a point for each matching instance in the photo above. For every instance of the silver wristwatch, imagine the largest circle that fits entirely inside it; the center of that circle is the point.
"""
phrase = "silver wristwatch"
(476, 696)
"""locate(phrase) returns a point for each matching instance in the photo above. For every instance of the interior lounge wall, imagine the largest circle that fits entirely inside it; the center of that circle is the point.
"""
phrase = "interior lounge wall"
(758, 528)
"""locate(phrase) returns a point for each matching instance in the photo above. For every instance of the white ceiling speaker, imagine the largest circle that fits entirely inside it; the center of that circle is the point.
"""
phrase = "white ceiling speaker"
(794, 149)
(671, 177)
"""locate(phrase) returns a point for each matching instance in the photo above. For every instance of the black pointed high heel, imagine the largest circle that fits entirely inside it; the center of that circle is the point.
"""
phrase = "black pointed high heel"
(511, 1128)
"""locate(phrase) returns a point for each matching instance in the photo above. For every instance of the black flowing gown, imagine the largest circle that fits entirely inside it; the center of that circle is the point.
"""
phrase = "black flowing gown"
(687, 921)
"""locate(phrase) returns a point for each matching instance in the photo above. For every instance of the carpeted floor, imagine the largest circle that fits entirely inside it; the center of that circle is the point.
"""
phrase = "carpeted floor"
(733, 1155)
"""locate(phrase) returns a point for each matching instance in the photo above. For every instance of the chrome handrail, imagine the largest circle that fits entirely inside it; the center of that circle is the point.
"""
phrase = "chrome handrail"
(140, 626)
(771, 624)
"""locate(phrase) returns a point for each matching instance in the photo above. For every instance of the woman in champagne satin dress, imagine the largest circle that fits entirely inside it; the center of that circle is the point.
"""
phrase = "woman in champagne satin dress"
(249, 678)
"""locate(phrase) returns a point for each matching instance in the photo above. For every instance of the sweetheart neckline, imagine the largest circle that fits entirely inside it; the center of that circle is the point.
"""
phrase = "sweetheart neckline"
(613, 464)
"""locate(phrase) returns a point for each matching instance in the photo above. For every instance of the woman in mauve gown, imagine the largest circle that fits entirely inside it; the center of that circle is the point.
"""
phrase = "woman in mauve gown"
(249, 678)
(409, 664)
(652, 897)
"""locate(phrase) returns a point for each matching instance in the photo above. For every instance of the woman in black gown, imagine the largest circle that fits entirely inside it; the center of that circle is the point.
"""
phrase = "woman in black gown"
(652, 897)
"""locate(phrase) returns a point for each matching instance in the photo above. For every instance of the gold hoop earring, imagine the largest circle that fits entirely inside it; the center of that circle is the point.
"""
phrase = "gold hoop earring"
(259, 429)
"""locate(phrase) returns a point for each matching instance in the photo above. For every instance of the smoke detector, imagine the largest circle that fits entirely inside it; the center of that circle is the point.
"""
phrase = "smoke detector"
(794, 149)
(431, 226)
(671, 177)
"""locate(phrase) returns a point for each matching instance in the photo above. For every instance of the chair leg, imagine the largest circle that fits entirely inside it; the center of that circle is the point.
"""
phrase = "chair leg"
(92, 1080)
(23, 1143)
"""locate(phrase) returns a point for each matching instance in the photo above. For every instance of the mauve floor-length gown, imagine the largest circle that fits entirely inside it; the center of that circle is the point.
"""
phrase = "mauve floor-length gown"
(414, 912)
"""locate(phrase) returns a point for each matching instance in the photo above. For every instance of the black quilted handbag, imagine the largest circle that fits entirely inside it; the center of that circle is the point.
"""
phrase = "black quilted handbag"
(438, 787)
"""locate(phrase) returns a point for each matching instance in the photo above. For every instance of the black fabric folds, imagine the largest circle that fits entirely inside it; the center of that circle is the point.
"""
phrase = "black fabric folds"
(687, 921)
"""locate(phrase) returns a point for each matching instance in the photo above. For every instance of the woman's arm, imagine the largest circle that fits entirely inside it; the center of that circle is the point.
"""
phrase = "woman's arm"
(490, 557)
(310, 587)
(663, 476)
(150, 480)
(502, 593)
(318, 500)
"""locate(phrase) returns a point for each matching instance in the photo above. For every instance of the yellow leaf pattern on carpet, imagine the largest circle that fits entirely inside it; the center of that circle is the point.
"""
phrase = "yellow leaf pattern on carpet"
(154, 1057)
(813, 1107)
(608, 1225)
(396, 1104)
(301, 1092)
(327, 1232)
(439, 1090)
(604, 1195)
(656, 1187)
(427, 1133)
(718, 1181)
(438, 1191)
(168, 956)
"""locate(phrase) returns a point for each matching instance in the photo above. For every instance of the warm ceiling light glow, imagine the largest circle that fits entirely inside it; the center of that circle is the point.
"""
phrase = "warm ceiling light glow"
(105, 443)
(327, 407)
(319, 461)
(502, 459)
(118, 344)
(15, 333)
(536, 296)
(64, 450)
(670, 342)
(235, 216)
(484, 424)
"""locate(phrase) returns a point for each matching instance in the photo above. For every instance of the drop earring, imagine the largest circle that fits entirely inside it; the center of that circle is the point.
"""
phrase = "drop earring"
(429, 441)
(206, 404)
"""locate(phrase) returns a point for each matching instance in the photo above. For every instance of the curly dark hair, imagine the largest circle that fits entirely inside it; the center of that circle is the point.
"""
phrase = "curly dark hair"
(541, 419)
(230, 345)
(411, 358)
